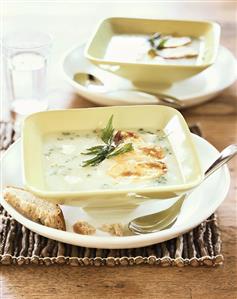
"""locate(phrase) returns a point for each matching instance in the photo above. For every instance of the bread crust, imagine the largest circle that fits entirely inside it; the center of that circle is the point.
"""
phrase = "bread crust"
(34, 207)
(84, 228)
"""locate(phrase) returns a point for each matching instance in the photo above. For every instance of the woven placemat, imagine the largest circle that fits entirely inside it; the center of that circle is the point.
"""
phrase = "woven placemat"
(18, 245)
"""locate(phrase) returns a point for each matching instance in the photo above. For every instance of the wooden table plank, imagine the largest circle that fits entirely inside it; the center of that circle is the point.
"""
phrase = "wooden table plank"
(218, 120)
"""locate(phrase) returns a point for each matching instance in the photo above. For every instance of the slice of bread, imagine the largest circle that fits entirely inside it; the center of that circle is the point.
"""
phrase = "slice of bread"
(35, 208)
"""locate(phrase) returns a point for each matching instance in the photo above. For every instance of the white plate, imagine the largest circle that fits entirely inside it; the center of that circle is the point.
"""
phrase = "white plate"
(198, 207)
(193, 91)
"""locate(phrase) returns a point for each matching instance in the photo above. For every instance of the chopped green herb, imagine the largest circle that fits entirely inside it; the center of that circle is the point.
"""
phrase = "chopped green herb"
(161, 180)
(168, 151)
(66, 133)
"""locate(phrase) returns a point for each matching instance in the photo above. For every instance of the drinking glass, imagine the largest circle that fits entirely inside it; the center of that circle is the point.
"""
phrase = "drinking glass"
(26, 57)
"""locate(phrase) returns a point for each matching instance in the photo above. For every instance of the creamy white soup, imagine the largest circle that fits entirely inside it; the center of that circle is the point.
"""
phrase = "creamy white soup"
(162, 50)
(138, 159)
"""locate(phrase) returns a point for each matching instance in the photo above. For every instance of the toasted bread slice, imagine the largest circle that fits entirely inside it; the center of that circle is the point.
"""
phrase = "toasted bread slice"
(35, 208)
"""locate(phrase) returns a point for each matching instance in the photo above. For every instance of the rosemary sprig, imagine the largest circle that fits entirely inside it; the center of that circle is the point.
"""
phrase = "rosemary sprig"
(157, 42)
(100, 156)
(93, 150)
(110, 149)
(153, 38)
(122, 150)
(108, 131)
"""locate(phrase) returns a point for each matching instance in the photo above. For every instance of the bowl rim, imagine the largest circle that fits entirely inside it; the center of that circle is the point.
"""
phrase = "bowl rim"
(110, 192)
(215, 27)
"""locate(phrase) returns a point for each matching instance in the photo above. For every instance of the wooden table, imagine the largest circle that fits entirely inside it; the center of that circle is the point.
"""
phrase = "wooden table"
(70, 23)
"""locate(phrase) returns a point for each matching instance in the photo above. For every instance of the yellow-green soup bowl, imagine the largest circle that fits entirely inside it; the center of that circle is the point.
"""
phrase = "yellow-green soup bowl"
(140, 71)
(160, 118)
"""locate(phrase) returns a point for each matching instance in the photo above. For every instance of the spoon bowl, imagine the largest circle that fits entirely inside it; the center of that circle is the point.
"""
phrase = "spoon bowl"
(88, 80)
(96, 84)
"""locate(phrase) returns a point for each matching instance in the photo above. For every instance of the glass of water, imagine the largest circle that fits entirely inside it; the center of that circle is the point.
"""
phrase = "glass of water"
(26, 58)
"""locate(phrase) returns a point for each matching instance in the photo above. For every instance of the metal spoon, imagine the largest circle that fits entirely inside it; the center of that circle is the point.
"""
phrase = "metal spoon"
(94, 83)
(163, 219)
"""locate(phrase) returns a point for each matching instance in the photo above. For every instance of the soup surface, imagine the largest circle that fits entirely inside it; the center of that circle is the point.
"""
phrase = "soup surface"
(148, 160)
(141, 48)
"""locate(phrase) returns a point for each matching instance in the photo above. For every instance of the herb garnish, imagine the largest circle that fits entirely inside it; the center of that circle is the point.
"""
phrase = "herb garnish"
(153, 38)
(161, 44)
(124, 149)
(109, 149)
(157, 42)
(108, 131)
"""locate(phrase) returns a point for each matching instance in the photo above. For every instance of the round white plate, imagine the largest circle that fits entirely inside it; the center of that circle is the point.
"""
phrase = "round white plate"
(192, 91)
(198, 207)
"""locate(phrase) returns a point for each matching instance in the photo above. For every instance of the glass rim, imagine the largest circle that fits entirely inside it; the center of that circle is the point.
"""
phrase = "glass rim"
(48, 42)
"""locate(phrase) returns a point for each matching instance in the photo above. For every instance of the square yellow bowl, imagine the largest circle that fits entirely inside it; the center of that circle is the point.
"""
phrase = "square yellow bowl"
(145, 72)
(163, 118)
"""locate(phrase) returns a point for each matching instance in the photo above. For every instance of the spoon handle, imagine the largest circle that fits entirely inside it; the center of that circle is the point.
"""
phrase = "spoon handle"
(161, 97)
(165, 98)
(168, 99)
(228, 153)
